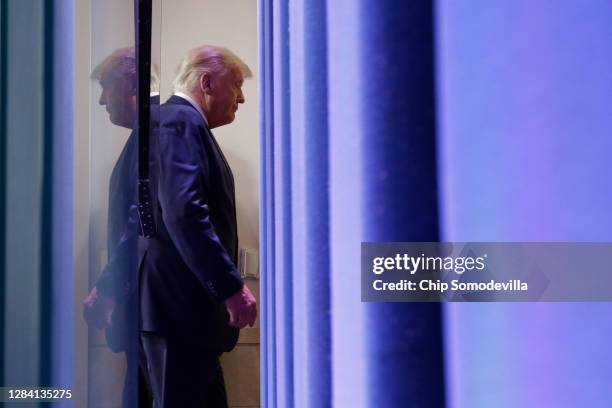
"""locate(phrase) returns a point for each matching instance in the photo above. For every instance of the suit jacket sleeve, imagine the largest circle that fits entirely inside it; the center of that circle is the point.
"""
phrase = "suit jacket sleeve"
(184, 167)
(119, 277)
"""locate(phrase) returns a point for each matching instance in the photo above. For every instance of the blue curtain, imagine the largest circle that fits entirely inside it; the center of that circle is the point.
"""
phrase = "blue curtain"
(399, 121)
(36, 192)
(348, 146)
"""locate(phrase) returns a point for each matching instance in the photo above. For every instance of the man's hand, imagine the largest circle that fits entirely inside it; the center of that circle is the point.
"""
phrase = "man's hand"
(242, 308)
(97, 309)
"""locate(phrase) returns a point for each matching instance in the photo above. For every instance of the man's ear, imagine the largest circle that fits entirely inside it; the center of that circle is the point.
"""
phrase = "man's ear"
(206, 83)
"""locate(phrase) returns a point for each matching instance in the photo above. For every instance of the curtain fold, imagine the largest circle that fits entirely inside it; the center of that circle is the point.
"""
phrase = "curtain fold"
(36, 190)
(349, 155)
(310, 203)
(62, 278)
(25, 135)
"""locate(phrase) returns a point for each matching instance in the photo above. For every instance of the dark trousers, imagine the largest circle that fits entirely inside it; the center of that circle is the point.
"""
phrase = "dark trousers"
(181, 375)
(136, 392)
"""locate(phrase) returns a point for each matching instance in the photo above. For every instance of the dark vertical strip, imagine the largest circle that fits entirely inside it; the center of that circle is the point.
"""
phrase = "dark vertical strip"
(400, 197)
(143, 13)
(46, 238)
(3, 138)
(143, 19)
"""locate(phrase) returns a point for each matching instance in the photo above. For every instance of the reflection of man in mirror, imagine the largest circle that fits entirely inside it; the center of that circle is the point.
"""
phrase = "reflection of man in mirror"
(113, 302)
(189, 279)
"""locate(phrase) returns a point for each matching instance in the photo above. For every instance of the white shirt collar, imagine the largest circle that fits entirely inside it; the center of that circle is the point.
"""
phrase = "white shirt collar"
(154, 94)
(193, 103)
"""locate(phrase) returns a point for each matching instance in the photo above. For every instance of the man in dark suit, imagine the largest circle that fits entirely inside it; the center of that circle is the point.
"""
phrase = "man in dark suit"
(189, 280)
(113, 302)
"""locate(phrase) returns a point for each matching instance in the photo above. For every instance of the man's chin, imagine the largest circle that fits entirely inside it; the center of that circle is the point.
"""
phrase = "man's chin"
(229, 119)
(114, 121)
(121, 122)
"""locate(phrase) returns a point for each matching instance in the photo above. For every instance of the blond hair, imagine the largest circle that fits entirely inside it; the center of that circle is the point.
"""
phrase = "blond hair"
(122, 64)
(206, 59)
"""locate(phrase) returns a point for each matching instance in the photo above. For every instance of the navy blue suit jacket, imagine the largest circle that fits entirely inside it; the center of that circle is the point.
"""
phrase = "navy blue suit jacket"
(190, 265)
